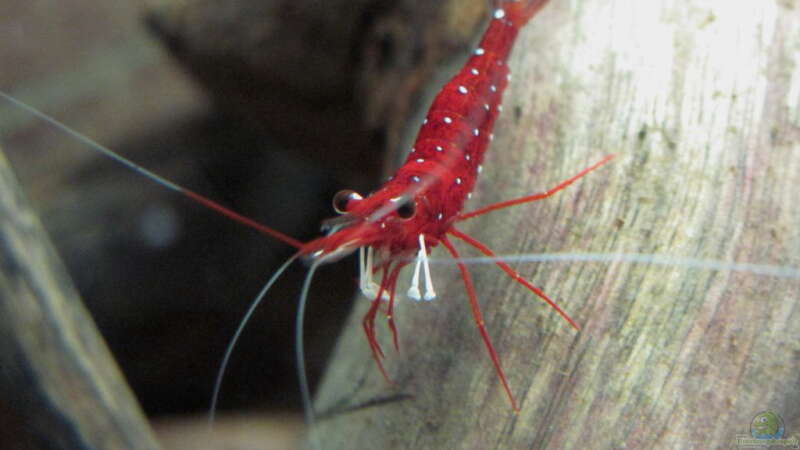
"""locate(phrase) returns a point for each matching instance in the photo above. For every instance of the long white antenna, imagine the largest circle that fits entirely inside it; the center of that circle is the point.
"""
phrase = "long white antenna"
(767, 270)
(236, 335)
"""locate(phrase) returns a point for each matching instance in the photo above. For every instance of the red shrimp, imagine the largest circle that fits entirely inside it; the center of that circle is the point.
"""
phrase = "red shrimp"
(418, 208)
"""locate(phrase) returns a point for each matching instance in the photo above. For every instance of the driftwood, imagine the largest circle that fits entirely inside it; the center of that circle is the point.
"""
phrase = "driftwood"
(203, 276)
(692, 99)
(60, 387)
(167, 309)
(699, 102)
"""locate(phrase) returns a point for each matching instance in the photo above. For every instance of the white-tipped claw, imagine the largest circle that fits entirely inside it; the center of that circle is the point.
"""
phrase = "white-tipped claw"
(365, 283)
(430, 294)
(413, 290)
(422, 262)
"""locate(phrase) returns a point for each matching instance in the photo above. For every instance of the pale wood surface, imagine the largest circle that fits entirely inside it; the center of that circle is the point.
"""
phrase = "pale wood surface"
(699, 100)
(244, 431)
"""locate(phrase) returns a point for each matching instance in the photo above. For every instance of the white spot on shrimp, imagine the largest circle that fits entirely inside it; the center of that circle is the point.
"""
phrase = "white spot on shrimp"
(458, 180)
(439, 216)
(508, 77)
(420, 160)
(447, 119)
(491, 136)
(474, 71)
(413, 149)
(467, 157)
(424, 121)
(415, 179)
(476, 132)
(486, 106)
(499, 108)
(439, 148)
(480, 169)
(493, 88)
(469, 195)
(462, 89)
(499, 13)
(383, 225)
(479, 51)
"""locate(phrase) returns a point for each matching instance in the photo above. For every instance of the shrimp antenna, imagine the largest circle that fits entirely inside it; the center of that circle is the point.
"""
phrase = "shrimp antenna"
(214, 206)
(763, 270)
(212, 410)
(299, 348)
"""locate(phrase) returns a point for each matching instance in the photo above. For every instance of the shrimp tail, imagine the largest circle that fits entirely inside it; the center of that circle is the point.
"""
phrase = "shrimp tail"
(518, 12)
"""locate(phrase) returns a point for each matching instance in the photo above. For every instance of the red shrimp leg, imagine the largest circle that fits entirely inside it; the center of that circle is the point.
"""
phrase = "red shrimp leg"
(389, 316)
(368, 323)
(512, 273)
(534, 197)
(476, 314)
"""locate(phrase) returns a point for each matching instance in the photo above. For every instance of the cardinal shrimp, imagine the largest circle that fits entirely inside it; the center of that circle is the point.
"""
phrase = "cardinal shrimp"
(652, 328)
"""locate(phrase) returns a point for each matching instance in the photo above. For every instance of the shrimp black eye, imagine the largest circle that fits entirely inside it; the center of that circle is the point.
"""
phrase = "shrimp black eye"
(407, 209)
(343, 198)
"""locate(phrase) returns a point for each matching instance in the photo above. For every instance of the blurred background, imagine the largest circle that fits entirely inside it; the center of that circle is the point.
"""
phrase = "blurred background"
(268, 107)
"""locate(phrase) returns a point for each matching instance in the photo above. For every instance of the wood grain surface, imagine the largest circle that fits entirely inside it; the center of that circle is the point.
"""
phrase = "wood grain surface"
(60, 385)
(699, 101)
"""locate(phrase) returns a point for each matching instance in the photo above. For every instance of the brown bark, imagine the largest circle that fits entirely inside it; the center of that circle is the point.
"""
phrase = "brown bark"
(60, 386)
(699, 102)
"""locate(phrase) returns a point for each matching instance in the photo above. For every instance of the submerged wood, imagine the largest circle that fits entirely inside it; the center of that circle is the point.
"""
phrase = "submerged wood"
(699, 102)
(60, 387)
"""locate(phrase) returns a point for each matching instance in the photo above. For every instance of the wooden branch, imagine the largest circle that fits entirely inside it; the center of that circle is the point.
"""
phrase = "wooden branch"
(60, 386)
(699, 102)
